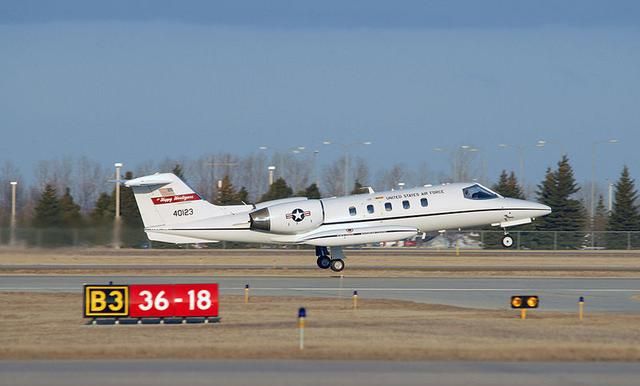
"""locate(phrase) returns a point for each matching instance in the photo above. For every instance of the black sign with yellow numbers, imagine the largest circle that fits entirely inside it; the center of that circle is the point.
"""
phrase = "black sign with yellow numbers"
(106, 300)
(524, 301)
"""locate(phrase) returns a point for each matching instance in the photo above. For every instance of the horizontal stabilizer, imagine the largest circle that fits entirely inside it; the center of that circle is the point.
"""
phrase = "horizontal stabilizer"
(156, 179)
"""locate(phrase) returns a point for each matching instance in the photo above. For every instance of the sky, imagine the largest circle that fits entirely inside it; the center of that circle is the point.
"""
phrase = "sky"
(131, 81)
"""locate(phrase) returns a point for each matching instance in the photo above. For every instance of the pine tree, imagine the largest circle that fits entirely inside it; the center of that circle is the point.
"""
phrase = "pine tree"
(71, 216)
(47, 211)
(103, 211)
(508, 186)
(624, 214)
(600, 222)
(279, 189)
(226, 193)
(568, 214)
(358, 188)
(177, 170)
(128, 206)
(242, 197)
(545, 193)
(310, 192)
(516, 189)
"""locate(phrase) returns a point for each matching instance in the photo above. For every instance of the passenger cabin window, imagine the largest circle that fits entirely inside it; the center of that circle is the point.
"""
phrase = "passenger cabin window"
(405, 204)
(424, 202)
(477, 192)
(370, 208)
(352, 210)
(387, 206)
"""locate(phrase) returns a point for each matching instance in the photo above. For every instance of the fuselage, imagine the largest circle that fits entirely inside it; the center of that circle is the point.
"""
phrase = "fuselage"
(361, 218)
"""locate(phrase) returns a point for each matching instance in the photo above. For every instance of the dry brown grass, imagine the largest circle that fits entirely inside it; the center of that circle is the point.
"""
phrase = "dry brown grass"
(47, 326)
(381, 262)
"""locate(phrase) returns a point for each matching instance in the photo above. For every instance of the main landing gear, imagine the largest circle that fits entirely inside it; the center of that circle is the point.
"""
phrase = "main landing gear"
(507, 240)
(333, 260)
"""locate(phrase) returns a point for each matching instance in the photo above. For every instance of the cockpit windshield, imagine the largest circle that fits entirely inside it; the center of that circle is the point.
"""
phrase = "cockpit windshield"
(477, 192)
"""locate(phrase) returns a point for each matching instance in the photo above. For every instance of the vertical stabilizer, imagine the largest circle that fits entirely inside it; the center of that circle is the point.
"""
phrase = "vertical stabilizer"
(164, 199)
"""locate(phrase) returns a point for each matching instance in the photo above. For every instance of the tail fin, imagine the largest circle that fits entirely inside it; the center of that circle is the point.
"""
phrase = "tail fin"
(164, 199)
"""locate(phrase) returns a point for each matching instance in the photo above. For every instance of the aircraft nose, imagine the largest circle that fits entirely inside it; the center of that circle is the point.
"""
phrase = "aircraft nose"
(530, 208)
(541, 208)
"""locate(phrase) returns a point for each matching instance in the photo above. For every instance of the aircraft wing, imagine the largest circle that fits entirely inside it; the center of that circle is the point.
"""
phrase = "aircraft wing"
(354, 236)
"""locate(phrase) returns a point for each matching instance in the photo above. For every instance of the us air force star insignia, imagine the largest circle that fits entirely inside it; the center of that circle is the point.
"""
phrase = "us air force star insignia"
(298, 215)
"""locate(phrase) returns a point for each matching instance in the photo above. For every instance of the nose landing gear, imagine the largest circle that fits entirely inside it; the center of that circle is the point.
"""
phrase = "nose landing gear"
(333, 260)
(507, 240)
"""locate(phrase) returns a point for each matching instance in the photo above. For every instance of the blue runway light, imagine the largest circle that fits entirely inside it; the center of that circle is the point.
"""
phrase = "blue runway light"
(581, 299)
(302, 313)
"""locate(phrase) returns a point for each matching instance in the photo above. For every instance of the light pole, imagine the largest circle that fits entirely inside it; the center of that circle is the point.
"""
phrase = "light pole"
(610, 206)
(346, 147)
(280, 160)
(593, 172)
(593, 184)
(12, 238)
(116, 222)
(315, 168)
(401, 185)
(118, 166)
(271, 169)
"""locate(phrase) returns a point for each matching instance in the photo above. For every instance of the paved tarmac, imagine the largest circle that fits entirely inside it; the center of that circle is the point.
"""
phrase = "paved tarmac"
(312, 268)
(250, 372)
(558, 294)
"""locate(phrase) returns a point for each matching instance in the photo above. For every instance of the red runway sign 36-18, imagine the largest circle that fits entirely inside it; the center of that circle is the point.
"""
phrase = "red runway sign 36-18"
(152, 300)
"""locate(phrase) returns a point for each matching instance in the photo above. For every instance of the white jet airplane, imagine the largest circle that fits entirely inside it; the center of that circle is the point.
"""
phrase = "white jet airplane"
(172, 212)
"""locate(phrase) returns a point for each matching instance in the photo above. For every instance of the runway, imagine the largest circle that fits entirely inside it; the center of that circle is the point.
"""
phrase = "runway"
(557, 294)
(233, 372)
(305, 267)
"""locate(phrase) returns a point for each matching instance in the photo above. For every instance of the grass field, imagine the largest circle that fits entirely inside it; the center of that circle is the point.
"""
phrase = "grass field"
(50, 326)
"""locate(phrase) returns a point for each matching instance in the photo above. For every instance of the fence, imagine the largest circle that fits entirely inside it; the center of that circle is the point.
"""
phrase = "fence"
(87, 237)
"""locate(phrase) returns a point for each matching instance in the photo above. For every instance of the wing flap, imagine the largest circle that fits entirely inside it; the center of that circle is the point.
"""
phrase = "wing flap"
(355, 236)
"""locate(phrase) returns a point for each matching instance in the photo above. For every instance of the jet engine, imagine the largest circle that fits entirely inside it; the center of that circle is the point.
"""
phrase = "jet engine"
(288, 218)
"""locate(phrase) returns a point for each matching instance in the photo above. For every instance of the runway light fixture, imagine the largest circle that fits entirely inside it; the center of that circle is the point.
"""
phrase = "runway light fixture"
(522, 301)
(516, 302)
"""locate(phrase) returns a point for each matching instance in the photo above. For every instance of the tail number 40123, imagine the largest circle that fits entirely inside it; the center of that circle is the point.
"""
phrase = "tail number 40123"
(183, 212)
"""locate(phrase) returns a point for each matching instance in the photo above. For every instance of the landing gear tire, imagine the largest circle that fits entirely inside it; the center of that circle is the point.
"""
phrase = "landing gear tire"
(507, 241)
(337, 265)
(324, 262)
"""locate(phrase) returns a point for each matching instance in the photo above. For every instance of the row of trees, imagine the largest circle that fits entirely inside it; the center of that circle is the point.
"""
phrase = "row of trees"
(559, 189)
(88, 179)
